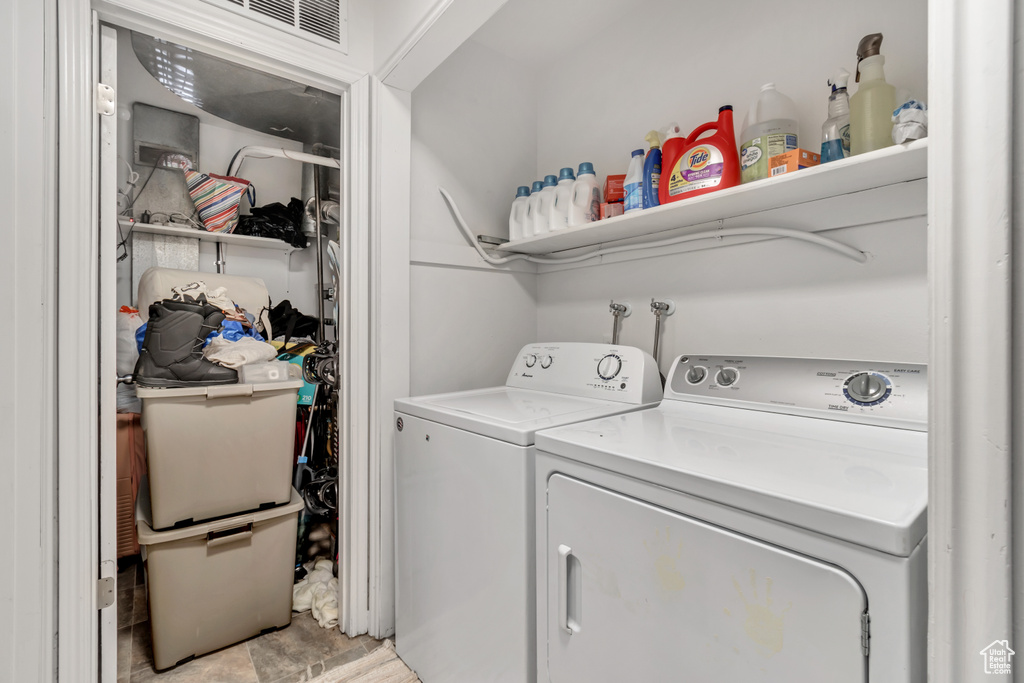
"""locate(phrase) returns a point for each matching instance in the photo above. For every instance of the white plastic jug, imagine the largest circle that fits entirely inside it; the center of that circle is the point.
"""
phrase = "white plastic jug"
(559, 217)
(542, 214)
(585, 199)
(532, 209)
(517, 216)
(770, 128)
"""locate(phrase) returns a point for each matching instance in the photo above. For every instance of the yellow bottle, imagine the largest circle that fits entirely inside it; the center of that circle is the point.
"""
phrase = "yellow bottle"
(872, 105)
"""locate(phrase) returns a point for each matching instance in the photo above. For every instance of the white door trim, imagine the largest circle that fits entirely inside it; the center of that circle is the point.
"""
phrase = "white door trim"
(77, 350)
(971, 274)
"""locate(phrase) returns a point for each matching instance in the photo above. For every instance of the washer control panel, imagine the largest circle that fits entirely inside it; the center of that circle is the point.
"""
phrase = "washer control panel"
(882, 393)
(619, 373)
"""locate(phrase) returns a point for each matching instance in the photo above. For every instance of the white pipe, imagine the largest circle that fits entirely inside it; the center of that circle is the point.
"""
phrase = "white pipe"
(845, 250)
(265, 152)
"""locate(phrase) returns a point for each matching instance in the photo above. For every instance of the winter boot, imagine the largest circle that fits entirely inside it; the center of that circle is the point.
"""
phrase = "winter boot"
(172, 351)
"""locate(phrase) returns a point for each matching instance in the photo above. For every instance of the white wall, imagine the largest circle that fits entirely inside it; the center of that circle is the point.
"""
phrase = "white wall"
(470, 119)
(276, 180)
(778, 297)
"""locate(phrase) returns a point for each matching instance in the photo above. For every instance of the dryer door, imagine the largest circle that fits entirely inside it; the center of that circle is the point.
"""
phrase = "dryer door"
(639, 593)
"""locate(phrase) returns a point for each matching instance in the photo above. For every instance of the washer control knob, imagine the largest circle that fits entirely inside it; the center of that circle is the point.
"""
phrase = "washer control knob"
(545, 361)
(531, 360)
(609, 366)
(696, 374)
(727, 377)
(866, 387)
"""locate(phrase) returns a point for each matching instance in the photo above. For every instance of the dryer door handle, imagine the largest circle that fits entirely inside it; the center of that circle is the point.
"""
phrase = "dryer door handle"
(568, 590)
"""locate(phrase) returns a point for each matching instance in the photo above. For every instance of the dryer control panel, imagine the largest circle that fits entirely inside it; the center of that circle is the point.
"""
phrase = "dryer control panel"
(617, 373)
(882, 393)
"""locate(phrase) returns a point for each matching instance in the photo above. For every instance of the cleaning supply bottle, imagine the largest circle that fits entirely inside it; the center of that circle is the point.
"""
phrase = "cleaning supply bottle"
(696, 165)
(872, 105)
(835, 132)
(585, 198)
(559, 217)
(532, 209)
(542, 217)
(770, 128)
(517, 217)
(634, 185)
(652, 170)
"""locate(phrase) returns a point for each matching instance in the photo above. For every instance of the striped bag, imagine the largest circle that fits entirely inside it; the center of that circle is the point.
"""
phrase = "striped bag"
(217, 199)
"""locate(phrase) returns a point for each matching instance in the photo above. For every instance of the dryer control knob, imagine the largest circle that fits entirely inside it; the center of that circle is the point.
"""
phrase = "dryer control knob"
(545, 361)
(726, 377)
(866, 387)
(531, 360)
(696, 374)
(609, 366)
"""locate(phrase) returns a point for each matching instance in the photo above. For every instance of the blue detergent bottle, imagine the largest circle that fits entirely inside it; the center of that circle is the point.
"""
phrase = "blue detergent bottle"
(652, 170)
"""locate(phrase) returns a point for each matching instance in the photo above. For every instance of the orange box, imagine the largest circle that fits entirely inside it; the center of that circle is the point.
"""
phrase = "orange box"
(613, 191)
(791, 161)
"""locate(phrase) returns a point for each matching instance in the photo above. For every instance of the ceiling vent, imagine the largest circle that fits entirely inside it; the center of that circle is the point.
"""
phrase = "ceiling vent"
(321, 21)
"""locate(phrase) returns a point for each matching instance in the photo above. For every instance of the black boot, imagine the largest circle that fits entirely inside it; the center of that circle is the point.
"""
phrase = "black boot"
(172, 351)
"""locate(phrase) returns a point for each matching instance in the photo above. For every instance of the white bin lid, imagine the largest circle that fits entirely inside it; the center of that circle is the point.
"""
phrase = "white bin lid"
(215, 391)
(149, 537)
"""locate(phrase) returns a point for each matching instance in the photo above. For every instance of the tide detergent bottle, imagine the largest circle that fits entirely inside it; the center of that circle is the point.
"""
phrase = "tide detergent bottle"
(693, 165)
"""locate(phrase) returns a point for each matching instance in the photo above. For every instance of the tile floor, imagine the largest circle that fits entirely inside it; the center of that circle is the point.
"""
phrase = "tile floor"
(293, 654)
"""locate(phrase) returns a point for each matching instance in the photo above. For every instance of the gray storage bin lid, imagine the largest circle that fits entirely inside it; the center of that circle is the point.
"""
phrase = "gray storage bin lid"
(216, 391)
(209, 529)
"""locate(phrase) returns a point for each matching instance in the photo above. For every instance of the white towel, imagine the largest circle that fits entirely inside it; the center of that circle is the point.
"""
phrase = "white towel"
(318, 592)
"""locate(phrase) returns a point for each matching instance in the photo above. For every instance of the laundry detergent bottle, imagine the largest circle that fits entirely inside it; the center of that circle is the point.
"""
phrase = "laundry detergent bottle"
(770, 128)
(559, 216)
(542, 217)
(532, 209)
(652, 170)
(694, 166)
(517, 217)
(585, 199)
(633, 185)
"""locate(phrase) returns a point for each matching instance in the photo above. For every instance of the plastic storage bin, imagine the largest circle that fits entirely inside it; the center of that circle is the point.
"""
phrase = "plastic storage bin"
(218, 450)
(214, 584)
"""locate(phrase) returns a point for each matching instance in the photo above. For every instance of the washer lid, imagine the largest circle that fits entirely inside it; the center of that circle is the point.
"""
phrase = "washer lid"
(860, 483)
(509, 414)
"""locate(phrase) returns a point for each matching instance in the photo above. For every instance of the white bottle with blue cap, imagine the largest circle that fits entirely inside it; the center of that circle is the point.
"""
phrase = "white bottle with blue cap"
(633, 185)
(532, 209)
(585, 199)
(559, 218)
(542, 217)
(517, 217)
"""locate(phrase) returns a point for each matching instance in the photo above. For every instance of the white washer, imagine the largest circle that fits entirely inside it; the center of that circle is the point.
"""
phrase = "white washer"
(766, 522)
(464, 467)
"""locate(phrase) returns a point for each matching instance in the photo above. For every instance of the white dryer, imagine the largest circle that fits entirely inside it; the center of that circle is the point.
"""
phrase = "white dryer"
(464, 472)
(765, 522)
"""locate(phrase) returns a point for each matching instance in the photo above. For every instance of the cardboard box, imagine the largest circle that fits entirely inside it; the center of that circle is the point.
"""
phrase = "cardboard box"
(613, 191)
(609, 209)
(792, 161)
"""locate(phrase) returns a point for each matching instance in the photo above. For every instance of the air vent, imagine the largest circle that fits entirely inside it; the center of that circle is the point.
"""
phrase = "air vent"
(321, 21)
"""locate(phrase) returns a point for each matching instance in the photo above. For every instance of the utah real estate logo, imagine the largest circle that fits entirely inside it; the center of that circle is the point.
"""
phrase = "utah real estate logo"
(998, 658)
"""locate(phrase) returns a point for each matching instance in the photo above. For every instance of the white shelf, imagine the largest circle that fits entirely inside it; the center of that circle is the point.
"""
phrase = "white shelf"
(225, 238)
(889, 166)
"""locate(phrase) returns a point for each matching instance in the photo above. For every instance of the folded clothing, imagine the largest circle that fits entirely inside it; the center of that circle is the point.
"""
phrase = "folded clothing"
(235, 354)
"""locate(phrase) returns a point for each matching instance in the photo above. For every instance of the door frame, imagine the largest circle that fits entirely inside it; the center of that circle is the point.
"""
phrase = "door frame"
(78, 300)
